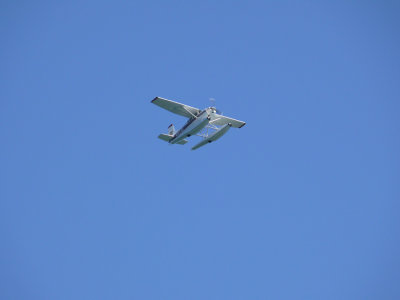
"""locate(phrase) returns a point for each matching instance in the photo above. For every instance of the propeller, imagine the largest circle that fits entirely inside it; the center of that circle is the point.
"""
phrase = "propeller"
(212, 100)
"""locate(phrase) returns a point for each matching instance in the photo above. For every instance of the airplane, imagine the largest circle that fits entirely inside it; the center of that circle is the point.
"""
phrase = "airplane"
(209, 120)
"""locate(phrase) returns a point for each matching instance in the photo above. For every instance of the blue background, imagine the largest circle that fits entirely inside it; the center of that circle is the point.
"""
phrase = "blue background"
(301, 203)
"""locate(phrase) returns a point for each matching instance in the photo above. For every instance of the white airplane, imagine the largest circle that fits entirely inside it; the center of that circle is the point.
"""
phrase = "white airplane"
(208, 119)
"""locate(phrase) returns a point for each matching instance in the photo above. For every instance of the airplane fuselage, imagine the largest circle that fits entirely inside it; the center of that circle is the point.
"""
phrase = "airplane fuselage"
(193, 126)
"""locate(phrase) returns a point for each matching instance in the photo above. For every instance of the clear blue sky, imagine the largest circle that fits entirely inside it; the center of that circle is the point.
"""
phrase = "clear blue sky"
(301, 203)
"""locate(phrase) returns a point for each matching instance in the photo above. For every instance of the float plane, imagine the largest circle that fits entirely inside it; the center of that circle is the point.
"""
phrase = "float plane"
(208, 123)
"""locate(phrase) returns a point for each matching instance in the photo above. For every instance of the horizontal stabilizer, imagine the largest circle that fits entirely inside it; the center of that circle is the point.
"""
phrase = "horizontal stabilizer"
(167, 137)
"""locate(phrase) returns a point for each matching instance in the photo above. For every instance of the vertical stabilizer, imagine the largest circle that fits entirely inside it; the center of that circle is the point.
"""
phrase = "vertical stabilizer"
(171, 129)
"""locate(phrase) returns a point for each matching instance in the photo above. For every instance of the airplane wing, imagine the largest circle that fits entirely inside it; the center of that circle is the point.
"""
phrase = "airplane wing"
(222, 120)
(175, 107)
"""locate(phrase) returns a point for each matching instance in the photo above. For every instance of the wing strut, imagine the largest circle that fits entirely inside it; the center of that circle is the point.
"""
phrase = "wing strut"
(215, 120)
(194, 116)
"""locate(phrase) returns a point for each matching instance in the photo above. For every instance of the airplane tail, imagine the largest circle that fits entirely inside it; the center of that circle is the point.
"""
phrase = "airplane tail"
(170, 135)
(167, 138)
(171, 129)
